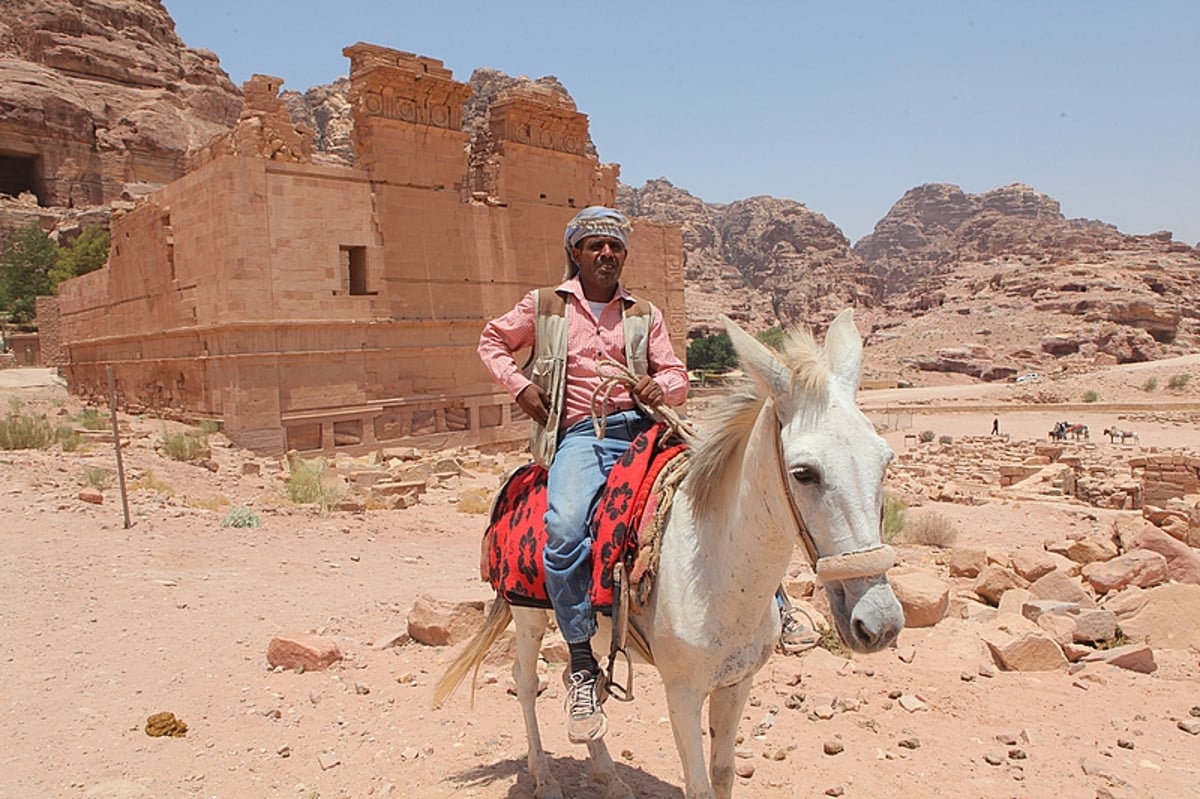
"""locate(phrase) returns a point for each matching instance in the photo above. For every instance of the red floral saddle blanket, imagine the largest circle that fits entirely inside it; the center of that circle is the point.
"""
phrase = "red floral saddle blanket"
(516, 535)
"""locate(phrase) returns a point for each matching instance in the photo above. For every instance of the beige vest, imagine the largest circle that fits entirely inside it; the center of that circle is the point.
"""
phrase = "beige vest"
(547, 366)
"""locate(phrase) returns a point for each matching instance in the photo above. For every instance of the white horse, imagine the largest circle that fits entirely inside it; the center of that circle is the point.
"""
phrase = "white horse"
(790, 460)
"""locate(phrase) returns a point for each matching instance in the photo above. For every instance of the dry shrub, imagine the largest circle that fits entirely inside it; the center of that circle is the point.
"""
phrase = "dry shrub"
(475, 501)
(895, 512)
(214, 503)
(148, 482)
(312, 483)
(930, 528)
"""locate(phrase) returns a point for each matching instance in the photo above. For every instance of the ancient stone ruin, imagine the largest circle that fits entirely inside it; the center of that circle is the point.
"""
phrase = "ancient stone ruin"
(319, 307)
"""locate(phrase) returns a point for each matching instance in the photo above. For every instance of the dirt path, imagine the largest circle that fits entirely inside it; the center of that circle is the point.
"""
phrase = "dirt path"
(104, 626)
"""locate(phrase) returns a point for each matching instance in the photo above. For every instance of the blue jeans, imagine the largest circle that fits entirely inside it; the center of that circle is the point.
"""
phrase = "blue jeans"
(576, 478)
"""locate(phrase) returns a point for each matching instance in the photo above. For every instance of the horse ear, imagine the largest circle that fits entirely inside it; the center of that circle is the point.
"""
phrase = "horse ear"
(758, 360)
(844, 350)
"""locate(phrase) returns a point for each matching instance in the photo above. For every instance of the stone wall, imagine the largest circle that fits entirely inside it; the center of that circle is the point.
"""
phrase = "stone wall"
(1167, 476)
(312, 307)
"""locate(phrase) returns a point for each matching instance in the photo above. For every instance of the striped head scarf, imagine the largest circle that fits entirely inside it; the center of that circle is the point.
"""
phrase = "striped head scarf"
(595, 220)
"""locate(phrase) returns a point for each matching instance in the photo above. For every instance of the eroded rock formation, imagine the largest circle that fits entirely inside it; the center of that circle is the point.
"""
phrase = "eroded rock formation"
(100, 99)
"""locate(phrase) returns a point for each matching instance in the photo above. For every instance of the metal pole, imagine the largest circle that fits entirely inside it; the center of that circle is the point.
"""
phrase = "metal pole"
(112, 409)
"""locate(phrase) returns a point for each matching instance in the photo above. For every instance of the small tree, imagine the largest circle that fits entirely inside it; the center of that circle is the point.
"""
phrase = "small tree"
(773, 338)
(86, 253)
(25, 264)
(713, 352)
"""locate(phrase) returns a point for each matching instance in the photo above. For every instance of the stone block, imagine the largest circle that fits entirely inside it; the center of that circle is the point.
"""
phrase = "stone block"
(438, 623)
(305, 651)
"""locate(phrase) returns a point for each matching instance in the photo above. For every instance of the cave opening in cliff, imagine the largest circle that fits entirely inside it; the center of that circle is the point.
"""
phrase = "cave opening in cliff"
(20, 173)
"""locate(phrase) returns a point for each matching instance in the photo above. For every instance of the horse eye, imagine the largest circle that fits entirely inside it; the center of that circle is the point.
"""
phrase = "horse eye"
(806, 475)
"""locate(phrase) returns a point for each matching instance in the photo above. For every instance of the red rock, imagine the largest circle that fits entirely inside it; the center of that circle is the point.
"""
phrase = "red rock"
(91, 495)
(305, 651)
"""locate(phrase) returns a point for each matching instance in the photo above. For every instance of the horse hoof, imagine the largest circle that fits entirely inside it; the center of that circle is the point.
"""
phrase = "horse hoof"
(618, 790)
(548, 790)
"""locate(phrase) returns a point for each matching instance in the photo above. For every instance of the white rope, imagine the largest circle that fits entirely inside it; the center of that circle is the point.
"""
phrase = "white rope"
(614, 374)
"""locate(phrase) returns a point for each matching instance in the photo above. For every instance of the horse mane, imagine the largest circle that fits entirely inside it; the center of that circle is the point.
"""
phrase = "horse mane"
(720, 447)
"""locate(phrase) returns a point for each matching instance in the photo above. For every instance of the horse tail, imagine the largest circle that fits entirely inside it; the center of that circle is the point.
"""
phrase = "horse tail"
(473, 653)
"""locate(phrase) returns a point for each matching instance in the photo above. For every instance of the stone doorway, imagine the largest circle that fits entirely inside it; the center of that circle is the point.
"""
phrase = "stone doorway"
(21, 173)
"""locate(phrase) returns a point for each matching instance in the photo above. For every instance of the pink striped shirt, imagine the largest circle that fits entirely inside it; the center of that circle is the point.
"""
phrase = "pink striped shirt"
(589, 341)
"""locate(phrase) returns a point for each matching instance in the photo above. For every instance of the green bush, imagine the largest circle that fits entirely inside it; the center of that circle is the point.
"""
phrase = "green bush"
(19, 430)
(713, 352)
(927, 436)
(1150, 384)
(773, 337)
(98, 477)
(1179, 381)
(25, 263)
(93, 419)
(1091, 395)
(309, 484)
(67, 438)
(185, 446)
(86, 253)
(945, 439)
(241, 517)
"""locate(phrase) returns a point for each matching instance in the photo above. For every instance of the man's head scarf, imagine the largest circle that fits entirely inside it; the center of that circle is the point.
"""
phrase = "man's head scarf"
(595, 220)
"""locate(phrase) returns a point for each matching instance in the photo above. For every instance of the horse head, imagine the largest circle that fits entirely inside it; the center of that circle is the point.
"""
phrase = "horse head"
(832, 464)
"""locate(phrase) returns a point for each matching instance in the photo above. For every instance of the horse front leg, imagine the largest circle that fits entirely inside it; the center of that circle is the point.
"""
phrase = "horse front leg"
(724, 712)
(531, 626)
(683, 707)
(604, 772)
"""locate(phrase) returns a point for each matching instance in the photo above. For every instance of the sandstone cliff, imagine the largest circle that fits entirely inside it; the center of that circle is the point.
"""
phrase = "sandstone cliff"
(101, 100)
(762, 261)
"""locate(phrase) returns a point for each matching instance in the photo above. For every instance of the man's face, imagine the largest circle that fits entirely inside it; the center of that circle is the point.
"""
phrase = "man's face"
(600, 260)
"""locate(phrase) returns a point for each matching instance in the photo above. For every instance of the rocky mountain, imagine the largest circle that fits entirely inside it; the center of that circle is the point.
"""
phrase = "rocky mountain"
(763, 261)
(934, 228)
(100, 101)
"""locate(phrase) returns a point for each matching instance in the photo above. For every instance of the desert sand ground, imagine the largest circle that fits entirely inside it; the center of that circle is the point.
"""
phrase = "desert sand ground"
(104, 625)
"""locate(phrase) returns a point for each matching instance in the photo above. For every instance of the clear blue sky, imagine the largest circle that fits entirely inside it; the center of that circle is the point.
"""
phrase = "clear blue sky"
(843, 106)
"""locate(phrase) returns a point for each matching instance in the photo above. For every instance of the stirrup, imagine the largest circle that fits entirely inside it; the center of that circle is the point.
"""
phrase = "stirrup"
(618, 648)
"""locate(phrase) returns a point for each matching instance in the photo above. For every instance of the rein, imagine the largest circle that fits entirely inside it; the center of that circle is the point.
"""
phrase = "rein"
(614, 374)
(869, 562)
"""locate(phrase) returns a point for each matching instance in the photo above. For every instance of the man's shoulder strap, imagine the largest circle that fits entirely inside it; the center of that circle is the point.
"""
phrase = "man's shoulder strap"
(639, 307)
(550, 302)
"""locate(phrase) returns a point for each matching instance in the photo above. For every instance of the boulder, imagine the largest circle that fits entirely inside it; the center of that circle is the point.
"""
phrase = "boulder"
(437, 623)
(1140, 567)
(1183, 562)
(1031, 563)
(1168, 618)
(994, 581)
(1059, 586)
(924, 597)
(1134, 657)
(1016, 644)
(966, 562)
(305, 651)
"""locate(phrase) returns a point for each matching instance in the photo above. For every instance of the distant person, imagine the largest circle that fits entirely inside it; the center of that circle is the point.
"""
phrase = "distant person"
(996, 426)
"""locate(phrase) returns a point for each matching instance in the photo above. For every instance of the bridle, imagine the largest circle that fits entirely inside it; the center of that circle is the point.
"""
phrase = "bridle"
(869, 562)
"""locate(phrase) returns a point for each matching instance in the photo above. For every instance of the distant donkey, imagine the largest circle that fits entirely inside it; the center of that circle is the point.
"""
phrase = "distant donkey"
(1114, 433)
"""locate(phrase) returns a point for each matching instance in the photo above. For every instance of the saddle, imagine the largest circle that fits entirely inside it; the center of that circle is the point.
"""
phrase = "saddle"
(513, 542)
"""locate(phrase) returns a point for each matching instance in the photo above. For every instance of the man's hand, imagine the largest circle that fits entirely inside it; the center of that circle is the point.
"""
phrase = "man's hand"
(648, 391)
(535, 403)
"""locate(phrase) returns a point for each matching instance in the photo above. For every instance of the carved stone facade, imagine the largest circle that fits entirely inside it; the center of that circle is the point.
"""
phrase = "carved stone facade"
(315, 307)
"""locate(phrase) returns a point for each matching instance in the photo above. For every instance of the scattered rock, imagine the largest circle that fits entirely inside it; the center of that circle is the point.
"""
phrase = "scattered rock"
(303, 652)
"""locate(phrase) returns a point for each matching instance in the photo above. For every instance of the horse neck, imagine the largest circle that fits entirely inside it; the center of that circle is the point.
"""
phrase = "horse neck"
(742, 551)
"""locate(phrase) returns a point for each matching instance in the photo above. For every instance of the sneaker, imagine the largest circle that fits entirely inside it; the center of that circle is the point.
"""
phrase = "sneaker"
(587, 721)
(796, 637)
